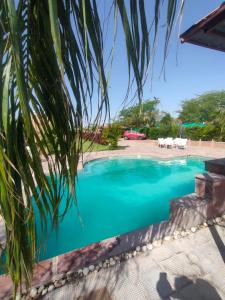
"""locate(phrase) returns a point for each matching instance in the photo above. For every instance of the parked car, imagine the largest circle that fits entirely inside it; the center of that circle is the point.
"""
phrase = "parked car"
(133, 135)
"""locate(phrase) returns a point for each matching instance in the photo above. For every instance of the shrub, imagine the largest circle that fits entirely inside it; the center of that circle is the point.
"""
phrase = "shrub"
(154, 133)
(193, 133)
(162, 132)
(94, 136)
(210, 132)
(175, 130)
(206, 133)
(111, 134)
(145, 130)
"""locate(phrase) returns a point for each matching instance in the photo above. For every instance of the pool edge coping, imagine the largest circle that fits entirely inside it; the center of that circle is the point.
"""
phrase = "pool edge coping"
(140, 156)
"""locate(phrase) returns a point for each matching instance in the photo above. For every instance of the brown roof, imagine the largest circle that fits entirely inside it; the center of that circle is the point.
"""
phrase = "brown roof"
(208, 32)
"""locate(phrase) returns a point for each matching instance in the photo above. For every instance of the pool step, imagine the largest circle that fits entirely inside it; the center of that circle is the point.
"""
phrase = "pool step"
(189, 211)
(211, 185)
(207, 202)
(215, 166)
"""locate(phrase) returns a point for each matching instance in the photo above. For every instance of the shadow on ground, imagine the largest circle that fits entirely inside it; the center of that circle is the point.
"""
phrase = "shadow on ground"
(186, 288)
(218, 241)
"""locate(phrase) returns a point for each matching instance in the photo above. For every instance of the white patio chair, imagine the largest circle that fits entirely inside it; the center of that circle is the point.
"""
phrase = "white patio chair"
(161, 142)
(169, 142)
(176, 142)
(182, 144)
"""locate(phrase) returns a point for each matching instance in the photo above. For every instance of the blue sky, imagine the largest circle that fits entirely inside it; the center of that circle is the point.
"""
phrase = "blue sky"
(198, 69)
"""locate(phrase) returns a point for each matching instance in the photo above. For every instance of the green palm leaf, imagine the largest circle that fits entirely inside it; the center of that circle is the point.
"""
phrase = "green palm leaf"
(51, 61)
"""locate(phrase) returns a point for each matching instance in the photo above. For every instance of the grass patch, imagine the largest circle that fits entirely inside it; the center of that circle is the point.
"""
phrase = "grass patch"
(88, 146)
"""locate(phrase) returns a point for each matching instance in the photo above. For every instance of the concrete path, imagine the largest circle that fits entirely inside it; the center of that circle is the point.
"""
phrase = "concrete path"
(148, 148)
(189, 268)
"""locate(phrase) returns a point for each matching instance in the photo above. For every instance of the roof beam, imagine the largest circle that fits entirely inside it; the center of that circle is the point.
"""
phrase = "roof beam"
(213, 22)
(206, 24)
(217, 33)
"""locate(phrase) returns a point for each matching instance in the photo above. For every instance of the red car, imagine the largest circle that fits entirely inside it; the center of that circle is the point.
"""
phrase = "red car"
(134, 135)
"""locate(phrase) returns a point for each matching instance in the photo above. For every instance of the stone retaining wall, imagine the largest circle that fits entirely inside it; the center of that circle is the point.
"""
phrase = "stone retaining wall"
(211, 144)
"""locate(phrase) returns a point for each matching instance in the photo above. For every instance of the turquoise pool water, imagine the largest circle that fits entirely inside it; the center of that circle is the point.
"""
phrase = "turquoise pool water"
(119, 195)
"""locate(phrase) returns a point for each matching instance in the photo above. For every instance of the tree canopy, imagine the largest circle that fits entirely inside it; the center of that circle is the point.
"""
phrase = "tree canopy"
(203, 108)
(139, 115)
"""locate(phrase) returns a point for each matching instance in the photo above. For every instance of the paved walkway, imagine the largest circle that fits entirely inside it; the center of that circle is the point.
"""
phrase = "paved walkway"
(189, 268)
(149, 148)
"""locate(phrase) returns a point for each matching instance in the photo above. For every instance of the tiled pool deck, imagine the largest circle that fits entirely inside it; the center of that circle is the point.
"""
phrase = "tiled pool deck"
(191, 268)
(147, 148)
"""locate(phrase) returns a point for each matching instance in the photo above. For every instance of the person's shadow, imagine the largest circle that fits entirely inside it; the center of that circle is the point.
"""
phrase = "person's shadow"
(186, 289)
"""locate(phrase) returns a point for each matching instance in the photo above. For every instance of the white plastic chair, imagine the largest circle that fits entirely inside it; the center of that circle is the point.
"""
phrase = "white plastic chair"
(161, 142)
(169, 142)
(176, 142)
(182, 144)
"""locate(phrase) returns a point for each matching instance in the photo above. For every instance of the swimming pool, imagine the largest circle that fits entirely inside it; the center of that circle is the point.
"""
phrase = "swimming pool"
(120, 195)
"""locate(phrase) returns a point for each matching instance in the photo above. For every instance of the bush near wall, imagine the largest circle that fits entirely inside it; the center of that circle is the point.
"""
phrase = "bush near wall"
(193, 133)
(154, 133)
(169, 131)
(111, 134)
(145, 130)
(95, 137)
(206, 133)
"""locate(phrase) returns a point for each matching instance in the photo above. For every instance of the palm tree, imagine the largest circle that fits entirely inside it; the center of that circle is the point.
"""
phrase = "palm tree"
(52, 60)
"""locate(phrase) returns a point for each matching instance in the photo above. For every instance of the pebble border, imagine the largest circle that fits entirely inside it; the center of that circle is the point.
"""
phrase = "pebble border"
(60, 280)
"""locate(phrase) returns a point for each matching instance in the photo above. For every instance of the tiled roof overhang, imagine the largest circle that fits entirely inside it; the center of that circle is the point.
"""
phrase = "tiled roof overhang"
(208, 32)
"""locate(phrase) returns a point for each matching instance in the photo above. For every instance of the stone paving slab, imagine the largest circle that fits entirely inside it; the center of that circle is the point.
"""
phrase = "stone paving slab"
(149, 148)
(189, 268)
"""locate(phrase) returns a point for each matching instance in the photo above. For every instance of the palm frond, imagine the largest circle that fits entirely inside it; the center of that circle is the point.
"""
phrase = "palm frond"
(51, 62)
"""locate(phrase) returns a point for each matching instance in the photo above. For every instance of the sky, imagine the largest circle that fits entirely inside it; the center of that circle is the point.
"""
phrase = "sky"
(190, 69)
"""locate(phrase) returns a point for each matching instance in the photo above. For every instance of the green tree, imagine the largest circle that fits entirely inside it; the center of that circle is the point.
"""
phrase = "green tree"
(168, 126)
(51, 60)
(219, 124)
(140, 115)
(166, 120)
(203, 108)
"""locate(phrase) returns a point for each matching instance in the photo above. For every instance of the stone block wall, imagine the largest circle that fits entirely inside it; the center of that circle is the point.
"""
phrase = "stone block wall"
(188, 211)
(207, 202)
(206, 144)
